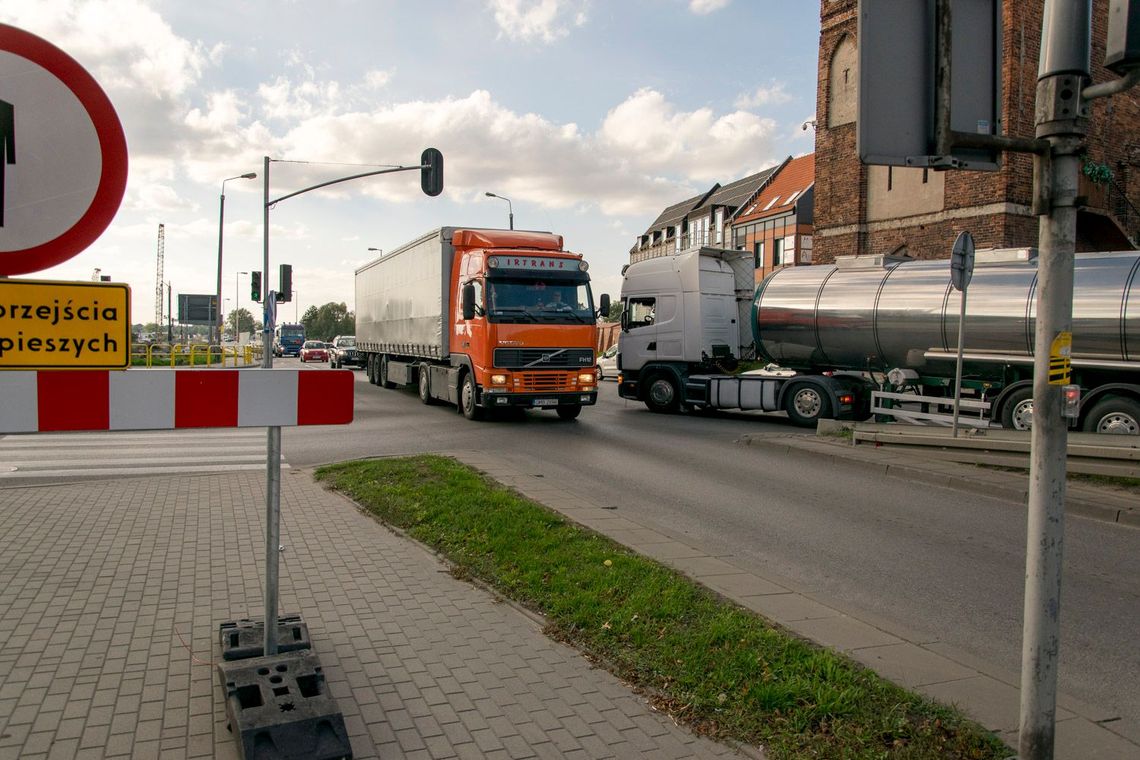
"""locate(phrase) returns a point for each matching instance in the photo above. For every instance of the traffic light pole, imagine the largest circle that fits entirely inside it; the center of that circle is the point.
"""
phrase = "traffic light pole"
(1062, 119)
(431, 182)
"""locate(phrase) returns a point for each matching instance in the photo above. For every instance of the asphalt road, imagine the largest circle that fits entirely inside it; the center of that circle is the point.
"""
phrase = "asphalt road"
(939, 564)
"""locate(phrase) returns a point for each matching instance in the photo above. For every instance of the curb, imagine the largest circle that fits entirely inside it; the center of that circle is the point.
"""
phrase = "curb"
(1096, 506)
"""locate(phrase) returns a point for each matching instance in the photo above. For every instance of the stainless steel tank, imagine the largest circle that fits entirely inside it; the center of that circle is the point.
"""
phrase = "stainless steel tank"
(860, 317)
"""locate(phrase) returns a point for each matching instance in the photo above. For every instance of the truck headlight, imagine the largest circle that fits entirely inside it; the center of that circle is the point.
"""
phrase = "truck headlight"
(586, 378)
(498, 379)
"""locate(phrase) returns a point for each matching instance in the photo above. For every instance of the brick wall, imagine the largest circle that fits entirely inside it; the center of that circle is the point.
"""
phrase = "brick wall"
(991, 205)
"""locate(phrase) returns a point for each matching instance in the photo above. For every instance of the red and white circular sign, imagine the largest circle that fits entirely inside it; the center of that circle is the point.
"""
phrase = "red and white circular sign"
(63, 156)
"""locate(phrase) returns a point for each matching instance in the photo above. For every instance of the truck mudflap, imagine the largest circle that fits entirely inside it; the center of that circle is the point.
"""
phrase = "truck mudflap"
(496, 400)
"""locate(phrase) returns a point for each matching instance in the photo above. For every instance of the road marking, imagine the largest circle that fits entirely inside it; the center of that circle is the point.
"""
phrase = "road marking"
(53, 455)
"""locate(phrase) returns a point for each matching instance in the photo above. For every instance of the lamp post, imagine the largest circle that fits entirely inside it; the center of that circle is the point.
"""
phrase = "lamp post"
(221, 223)
(237, 301)
(510, 208)
(379, 251)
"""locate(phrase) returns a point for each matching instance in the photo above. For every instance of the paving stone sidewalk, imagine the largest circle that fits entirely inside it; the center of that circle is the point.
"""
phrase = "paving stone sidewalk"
(112, 593)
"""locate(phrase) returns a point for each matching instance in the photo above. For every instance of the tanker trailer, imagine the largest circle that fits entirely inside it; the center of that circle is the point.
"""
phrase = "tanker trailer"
(874, 315)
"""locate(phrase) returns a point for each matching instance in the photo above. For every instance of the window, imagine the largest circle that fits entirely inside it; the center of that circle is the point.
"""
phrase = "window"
(788, 251)
(758, 255)
(772, 203)
(719, 226)
(843, 81)
(640, 312)
(805, 249)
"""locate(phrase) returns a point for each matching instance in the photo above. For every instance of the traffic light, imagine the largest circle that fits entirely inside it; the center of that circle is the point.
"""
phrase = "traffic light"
(431, 172)
(255, 286)
(285, 292)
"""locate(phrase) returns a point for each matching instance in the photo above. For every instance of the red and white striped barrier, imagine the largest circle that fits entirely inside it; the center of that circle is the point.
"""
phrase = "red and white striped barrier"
(165, 399)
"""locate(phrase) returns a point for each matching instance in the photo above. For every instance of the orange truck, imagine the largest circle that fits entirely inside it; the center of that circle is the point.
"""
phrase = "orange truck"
(483, 319)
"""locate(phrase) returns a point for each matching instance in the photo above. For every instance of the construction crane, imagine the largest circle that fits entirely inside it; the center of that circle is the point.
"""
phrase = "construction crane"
(158, 280)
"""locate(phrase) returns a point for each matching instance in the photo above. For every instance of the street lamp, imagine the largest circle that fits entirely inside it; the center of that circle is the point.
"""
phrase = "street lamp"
(378, 250)
(237, 300)
(510, 208)
(221, 222)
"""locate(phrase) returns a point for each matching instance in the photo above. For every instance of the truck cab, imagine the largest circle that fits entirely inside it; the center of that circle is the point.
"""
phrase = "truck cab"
(682, 314)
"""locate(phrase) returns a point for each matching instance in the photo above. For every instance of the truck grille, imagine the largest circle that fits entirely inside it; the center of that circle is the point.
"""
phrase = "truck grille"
(517, 358)
(543, 382)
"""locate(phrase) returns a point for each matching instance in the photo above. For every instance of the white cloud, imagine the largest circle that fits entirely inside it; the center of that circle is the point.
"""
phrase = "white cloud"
(650, 132)
(764, 95)
(377, 79)
(705, 7)
(538, 20)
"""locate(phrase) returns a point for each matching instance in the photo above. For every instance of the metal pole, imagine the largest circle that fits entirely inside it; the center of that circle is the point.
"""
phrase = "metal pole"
(266, 328)
(218, 307)
(958, 370)
(1062, 119)
(169, 314)
(272, 453)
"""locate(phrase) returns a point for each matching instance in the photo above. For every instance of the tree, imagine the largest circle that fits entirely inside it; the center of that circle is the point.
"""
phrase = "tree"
(615, 312)
(239, 321)
(328, 321)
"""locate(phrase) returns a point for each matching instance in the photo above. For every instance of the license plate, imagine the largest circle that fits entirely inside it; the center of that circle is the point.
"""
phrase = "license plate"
(546, 402)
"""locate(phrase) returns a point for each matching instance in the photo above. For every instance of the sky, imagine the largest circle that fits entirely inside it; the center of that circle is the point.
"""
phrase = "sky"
(591, 116)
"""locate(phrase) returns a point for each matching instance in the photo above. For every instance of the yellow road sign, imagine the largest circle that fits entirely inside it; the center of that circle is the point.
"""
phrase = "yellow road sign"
(64, 325)
(1060, 353)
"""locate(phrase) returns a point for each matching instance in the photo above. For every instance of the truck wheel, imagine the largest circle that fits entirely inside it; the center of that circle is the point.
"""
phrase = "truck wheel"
(662, 395)
(467, 399)
(1114, 415)
(425, 385)
(807, 405)
(569, 412)
(1017, 413)
(383, 372)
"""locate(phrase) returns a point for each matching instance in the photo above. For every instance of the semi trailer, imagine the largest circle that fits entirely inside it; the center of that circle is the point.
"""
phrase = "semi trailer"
(483, 319)
(867, 323)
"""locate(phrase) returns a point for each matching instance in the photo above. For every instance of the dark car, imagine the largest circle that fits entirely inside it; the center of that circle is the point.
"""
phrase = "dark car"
(314, 351)
(343, 352)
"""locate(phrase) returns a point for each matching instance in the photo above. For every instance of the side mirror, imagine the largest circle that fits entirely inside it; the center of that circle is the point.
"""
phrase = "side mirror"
(469, 301)
(604, 305)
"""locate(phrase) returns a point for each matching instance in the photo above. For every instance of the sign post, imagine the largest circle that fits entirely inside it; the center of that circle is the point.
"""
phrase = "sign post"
(961, 270)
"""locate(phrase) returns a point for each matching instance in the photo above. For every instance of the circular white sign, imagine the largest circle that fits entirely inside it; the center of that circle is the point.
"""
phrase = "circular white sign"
(63, 157)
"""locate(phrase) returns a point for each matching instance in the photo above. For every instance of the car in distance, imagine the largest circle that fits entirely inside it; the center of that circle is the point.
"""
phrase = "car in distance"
(608, 363)
(343, 352)
(314, 351)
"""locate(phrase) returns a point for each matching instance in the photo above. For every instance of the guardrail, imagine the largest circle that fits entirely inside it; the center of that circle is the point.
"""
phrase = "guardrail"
(932, 410)
(194, 355)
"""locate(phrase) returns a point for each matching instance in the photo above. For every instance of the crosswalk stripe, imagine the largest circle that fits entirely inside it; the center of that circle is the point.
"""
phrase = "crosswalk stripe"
(101, 454)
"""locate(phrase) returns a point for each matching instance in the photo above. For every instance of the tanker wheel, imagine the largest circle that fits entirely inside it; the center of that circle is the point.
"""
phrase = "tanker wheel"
(1115, 415)
(425, 385)
(806, 405)
(1017, 413)
(467, 398)
(382, 373)
(569, 412)
(662, 395)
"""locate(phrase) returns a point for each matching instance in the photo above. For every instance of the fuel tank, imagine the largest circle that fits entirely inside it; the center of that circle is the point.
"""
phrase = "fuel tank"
(876, 316)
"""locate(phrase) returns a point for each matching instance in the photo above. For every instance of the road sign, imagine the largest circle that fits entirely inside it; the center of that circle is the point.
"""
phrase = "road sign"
(63, 156)
(962, 261)
(64, 325)
(897, 87)
(197, 309)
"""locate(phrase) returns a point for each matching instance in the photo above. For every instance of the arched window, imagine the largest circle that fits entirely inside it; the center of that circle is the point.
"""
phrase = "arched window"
(843, 80)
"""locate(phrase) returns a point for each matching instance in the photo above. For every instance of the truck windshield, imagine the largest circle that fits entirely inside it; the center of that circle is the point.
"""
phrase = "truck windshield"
(548, 302)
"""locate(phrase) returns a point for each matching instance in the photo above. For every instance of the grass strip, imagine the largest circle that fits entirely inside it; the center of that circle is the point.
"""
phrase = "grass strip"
(713, 665)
